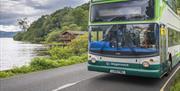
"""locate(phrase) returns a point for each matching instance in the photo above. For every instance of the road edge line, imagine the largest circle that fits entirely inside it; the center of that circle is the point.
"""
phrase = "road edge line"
(162, 89)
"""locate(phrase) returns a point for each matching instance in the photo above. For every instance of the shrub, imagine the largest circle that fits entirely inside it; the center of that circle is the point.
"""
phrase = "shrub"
(74, 27)
(73, 60)
(79, 45)
(43, 63)
(23, 69)
(60, 52)
(53, 36)
(176, 85)
(6, 74)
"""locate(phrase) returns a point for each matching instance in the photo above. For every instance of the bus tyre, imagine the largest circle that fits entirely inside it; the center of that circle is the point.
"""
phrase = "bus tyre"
(169, 65)
(169, 69)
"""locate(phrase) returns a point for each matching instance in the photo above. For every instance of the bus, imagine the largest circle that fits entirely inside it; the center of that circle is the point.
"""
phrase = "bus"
(134, 37)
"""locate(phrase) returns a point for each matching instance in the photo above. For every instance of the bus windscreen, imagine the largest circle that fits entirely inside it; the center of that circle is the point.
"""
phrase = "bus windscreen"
(125, 40)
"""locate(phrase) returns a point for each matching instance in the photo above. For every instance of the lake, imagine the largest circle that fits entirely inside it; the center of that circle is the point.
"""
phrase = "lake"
(15, 53)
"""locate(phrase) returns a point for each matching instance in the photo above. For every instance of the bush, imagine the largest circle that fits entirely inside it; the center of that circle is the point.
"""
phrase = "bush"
(38, 64)
(43, 63)
(53, 36)
(21, 70)
(6, 74)
(176, 85)
(79, 45)
(73, 60)
(60, 52)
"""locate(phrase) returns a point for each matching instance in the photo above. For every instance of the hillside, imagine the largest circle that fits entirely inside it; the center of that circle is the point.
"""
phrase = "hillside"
(64, 19)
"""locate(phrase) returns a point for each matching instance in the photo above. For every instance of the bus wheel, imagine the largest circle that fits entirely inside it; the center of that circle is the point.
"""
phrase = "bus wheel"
(169, 65)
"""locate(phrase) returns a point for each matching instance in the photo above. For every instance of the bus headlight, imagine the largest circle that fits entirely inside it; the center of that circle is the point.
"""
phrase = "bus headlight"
(93, 60)
(146, 64)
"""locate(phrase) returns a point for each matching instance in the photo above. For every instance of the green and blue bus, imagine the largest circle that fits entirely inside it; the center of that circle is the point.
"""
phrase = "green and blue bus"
(134, 37)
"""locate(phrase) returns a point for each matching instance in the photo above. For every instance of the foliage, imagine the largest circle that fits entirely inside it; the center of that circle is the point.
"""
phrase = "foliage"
(53, 36)
(60, 52)
(23, 23)
(178, 3)
(5, 74)
(73, 60)
(38, 64)
(176, 85)
(71, 27)
(64, 19)
(43, 63)
(23, 69)
(19, 36)
(79, 45)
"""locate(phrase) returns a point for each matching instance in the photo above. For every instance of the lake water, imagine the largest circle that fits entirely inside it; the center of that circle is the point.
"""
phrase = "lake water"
(15, 53)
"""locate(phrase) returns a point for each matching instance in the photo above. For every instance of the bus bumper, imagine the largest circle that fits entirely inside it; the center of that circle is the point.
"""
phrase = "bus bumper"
(125, 71)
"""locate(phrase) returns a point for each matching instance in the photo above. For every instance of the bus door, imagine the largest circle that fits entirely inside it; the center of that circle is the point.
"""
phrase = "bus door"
(163, 48)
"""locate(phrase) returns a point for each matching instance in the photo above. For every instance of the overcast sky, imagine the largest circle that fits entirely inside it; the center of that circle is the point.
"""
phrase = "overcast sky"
(11, 10)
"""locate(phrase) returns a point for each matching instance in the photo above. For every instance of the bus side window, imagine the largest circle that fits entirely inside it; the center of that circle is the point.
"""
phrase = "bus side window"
(173, 37)
(170, 37)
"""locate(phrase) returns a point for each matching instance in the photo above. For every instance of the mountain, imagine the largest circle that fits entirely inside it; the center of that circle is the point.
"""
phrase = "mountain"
(61, 20)
(7, 34)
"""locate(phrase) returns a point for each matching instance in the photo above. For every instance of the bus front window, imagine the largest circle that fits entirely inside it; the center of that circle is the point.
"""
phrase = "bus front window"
(132, 10)
(127, 40)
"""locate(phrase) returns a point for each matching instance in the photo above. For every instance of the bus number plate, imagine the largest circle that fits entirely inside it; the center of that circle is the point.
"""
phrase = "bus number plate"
(118, 72)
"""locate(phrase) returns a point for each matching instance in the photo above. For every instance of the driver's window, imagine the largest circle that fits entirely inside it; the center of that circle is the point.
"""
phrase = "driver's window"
(97, 35)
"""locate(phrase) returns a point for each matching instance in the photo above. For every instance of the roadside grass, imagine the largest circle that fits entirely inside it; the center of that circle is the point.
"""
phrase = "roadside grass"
(176, 84)
(42, 63)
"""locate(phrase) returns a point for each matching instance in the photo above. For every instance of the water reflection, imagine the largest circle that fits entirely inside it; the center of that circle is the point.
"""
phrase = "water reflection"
(15, 53)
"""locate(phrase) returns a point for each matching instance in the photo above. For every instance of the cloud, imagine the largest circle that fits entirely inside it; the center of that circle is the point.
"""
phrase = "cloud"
(11, 10)
(9, 28)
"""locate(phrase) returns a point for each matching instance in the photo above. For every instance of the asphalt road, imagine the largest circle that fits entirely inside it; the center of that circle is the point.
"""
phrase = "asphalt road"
(77, 78)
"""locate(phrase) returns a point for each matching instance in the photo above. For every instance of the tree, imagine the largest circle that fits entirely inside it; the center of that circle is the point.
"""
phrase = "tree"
(23, 23)
(53, 36)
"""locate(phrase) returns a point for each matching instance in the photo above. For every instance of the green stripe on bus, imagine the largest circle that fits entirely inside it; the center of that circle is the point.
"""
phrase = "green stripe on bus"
(124, 65)
(129, 71)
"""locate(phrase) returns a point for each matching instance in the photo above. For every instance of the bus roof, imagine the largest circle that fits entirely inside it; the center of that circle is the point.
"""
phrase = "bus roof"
(107, 0)
(111, 0)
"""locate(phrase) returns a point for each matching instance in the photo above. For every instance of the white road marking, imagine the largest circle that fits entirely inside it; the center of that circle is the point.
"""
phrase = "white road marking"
(162, 89)
(71, 84)
(66, 86)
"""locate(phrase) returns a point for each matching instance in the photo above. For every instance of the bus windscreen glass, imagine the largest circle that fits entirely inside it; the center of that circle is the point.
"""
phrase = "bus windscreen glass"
(125, 40)
(134, 10)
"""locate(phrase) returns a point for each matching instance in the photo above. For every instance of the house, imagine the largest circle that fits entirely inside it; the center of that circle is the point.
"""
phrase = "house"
(68, 36)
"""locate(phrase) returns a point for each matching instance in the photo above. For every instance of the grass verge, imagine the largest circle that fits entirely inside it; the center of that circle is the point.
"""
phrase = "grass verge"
(42, 63)
(176, 84)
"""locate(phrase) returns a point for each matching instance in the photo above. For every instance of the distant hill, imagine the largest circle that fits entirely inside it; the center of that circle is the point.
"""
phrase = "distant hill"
(63, 19)
(7, 34)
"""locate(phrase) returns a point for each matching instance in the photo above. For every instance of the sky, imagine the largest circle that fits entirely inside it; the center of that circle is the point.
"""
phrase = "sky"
(11, 10)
